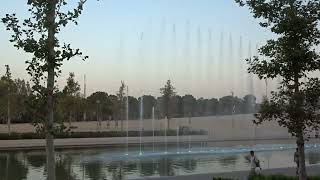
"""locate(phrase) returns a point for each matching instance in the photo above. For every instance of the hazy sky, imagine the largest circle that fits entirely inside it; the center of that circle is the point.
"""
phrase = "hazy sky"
(195, 43)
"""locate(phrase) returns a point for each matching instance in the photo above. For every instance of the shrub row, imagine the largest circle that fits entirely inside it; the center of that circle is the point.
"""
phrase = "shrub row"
(271, 177)
(278, 177)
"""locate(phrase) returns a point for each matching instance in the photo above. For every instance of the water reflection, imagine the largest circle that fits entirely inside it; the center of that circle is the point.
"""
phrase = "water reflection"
(94, 170)
(36, 159)
(166, 167)
(13, 167)
(100, 164)
(116, 169)
(147, 168)
(64, 168)
(313, 157)
(227, 161)
(189, 165)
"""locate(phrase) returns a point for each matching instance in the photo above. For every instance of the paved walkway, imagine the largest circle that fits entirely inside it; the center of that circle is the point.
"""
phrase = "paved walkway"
(241, 175)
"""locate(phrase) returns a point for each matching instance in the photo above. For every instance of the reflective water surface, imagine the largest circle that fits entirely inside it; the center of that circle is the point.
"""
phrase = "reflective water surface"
(112, 163)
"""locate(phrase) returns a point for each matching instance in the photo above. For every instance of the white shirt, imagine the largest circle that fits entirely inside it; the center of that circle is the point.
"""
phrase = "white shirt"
(252, 162)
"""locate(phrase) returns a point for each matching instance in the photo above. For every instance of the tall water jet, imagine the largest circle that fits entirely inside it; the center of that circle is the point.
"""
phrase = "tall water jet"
(241, 68)
(178, 148)
(153, 129)
(173, 66)
(141, 121)
(220, 71)
(165, 135)
(199, 56)
(259, 84)
(141, 56)
(187, 56)
(250, 84)
(209, 64)
(127, 123)
(231, 65)
(120, 59)
(189, 137)
(250, 76)
(161, 55)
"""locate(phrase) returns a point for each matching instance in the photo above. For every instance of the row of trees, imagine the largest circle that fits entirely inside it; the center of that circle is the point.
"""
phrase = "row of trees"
(71, 105)
(291, 55)
(14, 95)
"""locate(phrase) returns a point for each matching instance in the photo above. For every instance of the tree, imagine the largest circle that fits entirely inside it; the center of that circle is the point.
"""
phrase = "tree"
(189, 105)
(175, 105)
(133, 108)
(72, 88)
(102, 109)
(70, 99)
(230, 105)
(249, 102)
(291, 56)
(8, 84)
(201, 106)
(114, 103)
(148, 102)
(121, 98)
(20, 93)
(167, 93)
(226, 105)
(159, 108)
(14, 94)
(179, 105)
(213, 106)
(38, 35)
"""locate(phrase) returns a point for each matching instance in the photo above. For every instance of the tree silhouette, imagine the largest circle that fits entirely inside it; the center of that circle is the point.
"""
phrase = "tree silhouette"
(167, 93)
(291, 56)
(121, 98)
(37, 35)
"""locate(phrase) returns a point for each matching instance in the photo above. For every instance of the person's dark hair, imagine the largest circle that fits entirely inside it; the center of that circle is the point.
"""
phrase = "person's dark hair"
(252, 152)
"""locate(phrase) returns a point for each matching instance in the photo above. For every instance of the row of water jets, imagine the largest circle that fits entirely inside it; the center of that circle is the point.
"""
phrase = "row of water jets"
(153, 130)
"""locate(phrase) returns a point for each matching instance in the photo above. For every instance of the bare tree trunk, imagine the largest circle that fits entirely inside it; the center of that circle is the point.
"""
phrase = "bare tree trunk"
(302, 164)
(51, 13)
(300, 138)
(50, 157)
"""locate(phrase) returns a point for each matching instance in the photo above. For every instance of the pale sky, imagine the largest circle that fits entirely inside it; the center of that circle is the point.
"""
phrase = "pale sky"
(195, 43)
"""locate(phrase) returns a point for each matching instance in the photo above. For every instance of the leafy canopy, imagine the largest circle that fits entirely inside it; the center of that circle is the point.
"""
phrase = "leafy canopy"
(32, 36)
(292, 55)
